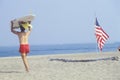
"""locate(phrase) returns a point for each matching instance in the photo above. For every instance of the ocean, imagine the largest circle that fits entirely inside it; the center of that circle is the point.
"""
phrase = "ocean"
(58, 49)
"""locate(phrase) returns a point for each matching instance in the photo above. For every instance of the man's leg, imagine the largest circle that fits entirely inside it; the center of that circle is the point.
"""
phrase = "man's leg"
(24, 58)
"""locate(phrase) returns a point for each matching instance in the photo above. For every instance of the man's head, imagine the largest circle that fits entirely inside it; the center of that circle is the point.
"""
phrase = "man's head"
(22, 28)
(24, 25)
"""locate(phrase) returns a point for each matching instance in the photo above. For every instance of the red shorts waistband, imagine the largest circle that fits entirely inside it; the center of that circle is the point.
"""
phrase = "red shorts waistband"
(24, 44)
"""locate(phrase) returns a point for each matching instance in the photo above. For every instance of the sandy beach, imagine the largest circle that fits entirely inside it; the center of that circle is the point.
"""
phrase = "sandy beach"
(63, 67)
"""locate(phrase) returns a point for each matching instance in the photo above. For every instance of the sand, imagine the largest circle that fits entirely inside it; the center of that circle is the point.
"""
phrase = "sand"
(42, 68)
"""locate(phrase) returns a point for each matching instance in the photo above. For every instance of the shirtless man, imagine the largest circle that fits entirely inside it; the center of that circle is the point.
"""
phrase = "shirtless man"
(23, 40)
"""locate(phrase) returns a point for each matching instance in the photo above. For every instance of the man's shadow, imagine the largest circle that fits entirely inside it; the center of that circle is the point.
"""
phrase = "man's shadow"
(116, 58)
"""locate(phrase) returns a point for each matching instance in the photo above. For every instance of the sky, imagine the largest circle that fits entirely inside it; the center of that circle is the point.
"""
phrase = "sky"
(61, 21)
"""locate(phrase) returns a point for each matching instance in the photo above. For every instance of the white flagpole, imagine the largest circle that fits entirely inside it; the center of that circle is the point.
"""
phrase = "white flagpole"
(97, 49)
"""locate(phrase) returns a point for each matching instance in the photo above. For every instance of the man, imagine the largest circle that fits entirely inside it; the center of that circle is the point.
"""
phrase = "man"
(23, 40)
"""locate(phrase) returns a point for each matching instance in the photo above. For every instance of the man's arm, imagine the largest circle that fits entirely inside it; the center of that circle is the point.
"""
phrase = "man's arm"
(12, 29)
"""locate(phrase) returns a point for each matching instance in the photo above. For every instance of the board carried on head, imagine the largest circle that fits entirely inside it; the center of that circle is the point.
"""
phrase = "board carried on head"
(24, 19)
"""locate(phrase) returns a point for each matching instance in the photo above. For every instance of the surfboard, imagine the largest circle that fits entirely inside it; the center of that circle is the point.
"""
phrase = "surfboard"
(24, 19)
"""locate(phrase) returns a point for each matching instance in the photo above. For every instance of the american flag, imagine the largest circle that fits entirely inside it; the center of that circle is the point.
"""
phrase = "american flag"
(101, 35)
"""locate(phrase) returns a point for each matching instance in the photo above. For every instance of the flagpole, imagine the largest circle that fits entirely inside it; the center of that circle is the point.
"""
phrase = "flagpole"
(95, 15)
(97, 49)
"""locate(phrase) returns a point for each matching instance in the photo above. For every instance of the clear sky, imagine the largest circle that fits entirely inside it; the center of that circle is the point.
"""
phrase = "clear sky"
(61, 21)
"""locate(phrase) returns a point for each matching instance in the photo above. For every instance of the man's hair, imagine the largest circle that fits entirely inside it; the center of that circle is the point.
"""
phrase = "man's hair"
(22, 28)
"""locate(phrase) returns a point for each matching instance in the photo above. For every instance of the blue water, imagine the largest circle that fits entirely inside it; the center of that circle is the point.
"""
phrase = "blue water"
(57, 49)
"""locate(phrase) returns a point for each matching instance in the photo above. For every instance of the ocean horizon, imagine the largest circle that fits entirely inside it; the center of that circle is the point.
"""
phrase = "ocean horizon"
(10, 51)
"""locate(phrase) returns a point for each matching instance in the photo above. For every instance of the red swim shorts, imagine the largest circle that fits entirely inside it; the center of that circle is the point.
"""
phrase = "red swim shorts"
(24, 48)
